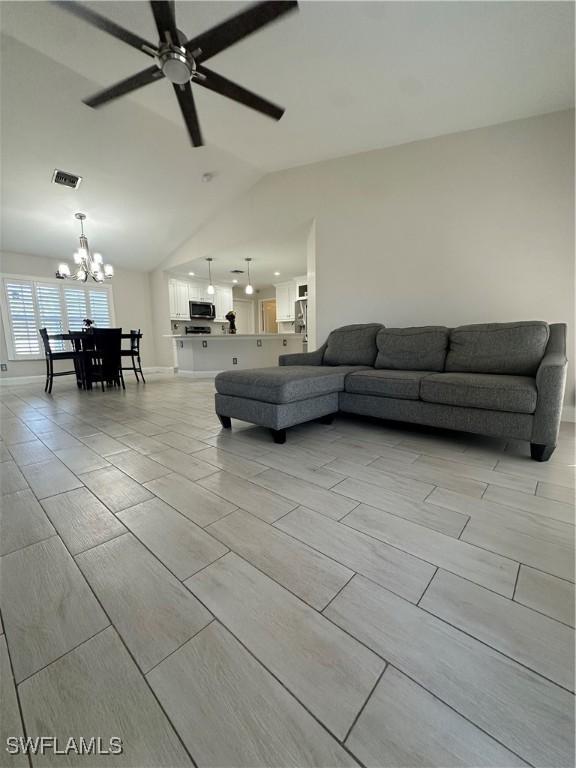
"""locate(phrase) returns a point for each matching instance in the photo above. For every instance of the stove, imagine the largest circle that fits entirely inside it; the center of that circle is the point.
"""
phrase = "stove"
(198, 329)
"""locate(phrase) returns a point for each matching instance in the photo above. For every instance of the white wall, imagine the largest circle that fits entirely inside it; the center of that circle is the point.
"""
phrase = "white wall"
(132, 307)
(471, 227)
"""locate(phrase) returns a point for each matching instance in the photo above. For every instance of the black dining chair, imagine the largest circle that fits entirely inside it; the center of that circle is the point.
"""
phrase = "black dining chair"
(51, 356)
(134, 354)
(106, 357)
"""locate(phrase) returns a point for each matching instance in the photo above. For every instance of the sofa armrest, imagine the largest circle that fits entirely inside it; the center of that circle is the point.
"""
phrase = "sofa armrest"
(550, 383)
(303, 358)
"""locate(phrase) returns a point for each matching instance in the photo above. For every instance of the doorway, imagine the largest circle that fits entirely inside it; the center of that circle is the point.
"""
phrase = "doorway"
(267, 316)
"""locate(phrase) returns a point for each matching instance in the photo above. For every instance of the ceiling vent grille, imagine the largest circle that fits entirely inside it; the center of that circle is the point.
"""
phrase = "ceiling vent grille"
(236, 271)
(66, 179)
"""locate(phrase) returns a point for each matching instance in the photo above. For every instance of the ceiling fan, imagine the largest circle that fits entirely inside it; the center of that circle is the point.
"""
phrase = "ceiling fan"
(181, 61)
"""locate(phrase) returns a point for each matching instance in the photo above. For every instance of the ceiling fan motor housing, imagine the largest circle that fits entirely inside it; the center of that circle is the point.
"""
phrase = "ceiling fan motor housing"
(176, 63)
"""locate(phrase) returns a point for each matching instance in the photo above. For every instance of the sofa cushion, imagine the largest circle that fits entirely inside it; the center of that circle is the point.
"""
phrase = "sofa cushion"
(402, 384)
(516, 394)
(412, 349)
(511, 348)
(352, 345)
(283, 384)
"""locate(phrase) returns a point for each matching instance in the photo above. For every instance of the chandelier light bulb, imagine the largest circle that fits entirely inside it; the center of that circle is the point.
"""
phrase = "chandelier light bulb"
(249, 290)
(98, 258)
(108, 270)
(81, 275)
(77, 257)
(64, 270)
(210, 290)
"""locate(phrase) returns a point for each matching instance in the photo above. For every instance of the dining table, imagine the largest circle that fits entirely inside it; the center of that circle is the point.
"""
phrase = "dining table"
(83, 344)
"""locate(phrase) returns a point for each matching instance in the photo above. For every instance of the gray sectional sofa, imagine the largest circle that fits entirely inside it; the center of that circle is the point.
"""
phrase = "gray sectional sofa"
(499, 379)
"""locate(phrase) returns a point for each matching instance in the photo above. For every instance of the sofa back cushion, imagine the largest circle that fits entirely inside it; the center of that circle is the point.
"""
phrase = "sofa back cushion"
(412, 349)
(352, 345)
(508, 348)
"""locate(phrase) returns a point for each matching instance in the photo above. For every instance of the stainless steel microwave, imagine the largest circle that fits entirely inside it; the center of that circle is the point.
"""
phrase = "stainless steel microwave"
(202, 309)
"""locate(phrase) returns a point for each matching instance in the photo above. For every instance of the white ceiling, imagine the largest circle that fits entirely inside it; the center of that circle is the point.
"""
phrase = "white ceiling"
(286, 255)
(353, 76)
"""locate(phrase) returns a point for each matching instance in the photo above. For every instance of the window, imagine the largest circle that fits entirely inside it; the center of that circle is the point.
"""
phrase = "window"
(100, 309)
(24, 336)
(31, 305)
(50, 315)
(76, 307)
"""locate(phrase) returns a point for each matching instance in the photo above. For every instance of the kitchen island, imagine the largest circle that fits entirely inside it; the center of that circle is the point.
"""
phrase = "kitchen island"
(205, 355)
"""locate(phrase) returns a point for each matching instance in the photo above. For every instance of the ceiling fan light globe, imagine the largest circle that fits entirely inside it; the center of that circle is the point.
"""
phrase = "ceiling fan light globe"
(176, 67)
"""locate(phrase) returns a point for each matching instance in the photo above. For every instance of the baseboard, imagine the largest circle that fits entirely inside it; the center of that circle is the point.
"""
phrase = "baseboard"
(169, 369)
(11, 381)
(197, 374)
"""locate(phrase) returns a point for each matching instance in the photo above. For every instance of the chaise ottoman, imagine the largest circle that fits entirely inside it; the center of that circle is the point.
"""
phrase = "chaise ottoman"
(279, 398)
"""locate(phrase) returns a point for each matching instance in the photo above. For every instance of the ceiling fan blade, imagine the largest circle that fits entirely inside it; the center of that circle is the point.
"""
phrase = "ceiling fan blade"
(106, 25)
(219, 84)
(238, 27)
(188, 107)
(163, 11)
(125, 86)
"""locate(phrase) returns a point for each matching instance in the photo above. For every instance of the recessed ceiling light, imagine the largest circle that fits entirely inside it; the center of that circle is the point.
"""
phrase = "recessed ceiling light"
(276, 274)
(191, 274)
(234, 281)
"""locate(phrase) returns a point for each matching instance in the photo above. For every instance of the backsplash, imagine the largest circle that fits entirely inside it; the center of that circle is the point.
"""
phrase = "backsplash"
(217, 328)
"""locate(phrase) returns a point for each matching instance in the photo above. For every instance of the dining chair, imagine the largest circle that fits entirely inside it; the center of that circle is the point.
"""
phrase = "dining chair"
(134, 354)
(106, 357)
(51, 357)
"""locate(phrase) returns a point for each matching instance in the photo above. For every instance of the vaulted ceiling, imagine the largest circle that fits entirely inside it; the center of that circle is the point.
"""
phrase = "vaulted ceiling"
(353, 76)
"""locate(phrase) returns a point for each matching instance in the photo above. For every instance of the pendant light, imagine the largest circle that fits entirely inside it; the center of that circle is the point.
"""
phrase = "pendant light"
(249, 290)
(210, 290)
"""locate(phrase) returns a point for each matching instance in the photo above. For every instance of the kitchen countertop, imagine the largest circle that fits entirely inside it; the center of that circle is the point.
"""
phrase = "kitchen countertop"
(233, 336)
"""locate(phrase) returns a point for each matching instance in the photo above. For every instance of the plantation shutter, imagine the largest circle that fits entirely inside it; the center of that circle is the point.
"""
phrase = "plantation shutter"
(100, 309)
(76, 307)
(20, 300)
(50, 315)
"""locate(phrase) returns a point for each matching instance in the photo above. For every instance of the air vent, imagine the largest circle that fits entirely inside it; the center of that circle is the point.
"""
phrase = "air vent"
(66, 179)
(236, 271)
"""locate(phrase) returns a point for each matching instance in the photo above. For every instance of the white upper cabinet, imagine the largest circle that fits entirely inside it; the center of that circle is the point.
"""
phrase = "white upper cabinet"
(182, 292)
(196, 290)
(178, 293)
(223, 301)
(285, 300)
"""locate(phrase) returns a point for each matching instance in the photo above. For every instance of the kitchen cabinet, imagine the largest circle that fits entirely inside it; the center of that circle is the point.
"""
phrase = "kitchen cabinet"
(178, 295)
(285, 299)
(181, 292)
(199, 291)
(222, 301)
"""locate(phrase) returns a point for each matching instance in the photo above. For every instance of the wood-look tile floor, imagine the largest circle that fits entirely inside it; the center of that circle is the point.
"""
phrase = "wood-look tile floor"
(368, 594)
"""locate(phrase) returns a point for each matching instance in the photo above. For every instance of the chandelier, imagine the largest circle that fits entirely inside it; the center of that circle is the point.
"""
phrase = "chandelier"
(88, 264)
